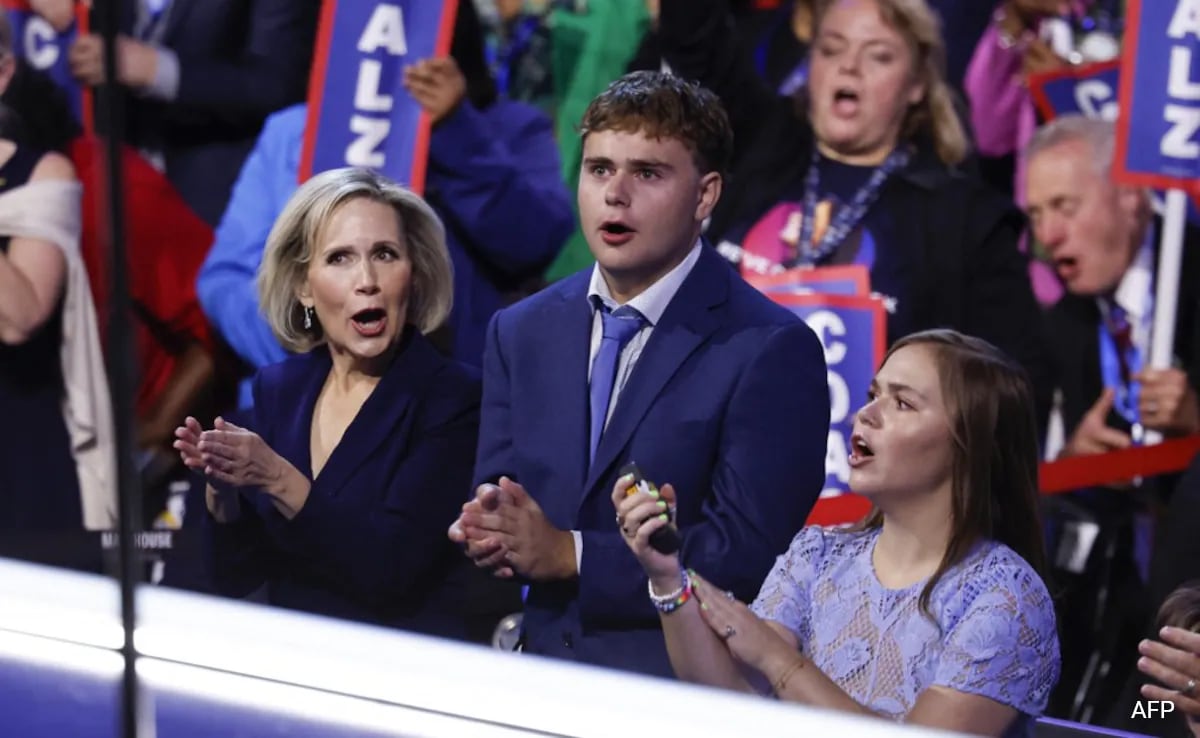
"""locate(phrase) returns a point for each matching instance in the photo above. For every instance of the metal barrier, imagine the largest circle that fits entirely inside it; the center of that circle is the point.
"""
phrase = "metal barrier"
(209, 666)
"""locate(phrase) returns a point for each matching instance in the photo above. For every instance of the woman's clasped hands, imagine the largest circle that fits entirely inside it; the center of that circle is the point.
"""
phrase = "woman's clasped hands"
(231, 456)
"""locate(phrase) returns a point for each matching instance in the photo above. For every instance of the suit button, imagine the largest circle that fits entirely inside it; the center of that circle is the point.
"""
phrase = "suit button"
(568, 641)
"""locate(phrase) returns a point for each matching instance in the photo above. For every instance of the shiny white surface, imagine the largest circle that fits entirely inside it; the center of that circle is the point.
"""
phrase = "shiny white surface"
(352, 674)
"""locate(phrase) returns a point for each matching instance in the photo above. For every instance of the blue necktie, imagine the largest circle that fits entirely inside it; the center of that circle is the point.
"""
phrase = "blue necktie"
(620, 326)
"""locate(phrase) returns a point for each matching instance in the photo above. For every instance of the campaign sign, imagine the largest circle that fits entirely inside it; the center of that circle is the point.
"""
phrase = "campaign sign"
(853, 332)
(850, 280)
(1087, 89)
(45, 49)
(358, 112)
(1158, 131)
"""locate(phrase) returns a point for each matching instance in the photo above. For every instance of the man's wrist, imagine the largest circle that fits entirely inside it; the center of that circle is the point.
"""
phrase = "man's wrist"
(566, 567)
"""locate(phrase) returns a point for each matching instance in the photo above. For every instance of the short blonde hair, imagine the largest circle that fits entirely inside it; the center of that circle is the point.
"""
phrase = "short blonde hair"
(935, 115)
(298, 228)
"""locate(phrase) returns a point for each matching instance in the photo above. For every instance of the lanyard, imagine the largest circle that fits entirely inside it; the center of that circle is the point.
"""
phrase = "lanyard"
(1115, 369)
(850, 215)
(796, 79)
(503, 53)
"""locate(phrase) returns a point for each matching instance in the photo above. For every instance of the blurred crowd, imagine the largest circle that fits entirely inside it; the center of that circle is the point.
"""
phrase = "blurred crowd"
(331, 374)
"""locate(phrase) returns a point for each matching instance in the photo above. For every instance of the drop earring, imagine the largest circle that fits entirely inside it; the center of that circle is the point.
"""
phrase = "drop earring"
(308, 317)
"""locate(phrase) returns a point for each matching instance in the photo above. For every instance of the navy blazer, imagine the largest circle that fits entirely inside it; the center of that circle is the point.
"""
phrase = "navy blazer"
(239, 61)
(370, 542)
(728, 402)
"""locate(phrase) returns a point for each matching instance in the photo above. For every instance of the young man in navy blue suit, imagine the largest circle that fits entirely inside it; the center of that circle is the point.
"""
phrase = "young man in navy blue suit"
(660, 355)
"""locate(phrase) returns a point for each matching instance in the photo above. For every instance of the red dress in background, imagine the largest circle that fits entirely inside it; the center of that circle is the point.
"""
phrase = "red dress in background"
(165, 243)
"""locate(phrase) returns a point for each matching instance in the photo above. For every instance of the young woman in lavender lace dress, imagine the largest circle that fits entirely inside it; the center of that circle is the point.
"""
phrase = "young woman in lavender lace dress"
(931, 611)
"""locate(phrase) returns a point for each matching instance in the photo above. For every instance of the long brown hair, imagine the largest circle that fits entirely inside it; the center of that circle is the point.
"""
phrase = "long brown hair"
(994, 473)
(934, 117)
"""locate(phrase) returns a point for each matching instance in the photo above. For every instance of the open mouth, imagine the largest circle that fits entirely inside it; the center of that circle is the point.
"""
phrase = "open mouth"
(845, 101)
(859, 449)
(370, 322)
(615, 232)
(1066, 265)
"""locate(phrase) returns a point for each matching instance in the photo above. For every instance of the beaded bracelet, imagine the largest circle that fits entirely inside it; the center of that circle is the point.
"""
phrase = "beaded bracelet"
(669, 603)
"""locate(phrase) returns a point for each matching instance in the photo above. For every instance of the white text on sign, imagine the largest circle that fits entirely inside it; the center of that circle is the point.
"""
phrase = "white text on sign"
(829, 327)
(1097, 99)
(1180, 141)
(41, 43)
(384, 30)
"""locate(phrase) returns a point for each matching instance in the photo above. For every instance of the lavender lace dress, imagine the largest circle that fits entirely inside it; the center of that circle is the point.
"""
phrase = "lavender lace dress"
(998, 637)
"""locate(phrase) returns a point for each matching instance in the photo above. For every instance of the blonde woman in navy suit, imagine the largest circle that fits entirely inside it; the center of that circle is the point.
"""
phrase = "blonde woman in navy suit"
(337, 494)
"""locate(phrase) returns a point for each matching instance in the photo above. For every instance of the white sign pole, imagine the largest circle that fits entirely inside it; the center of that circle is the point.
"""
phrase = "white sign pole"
(1166, 297)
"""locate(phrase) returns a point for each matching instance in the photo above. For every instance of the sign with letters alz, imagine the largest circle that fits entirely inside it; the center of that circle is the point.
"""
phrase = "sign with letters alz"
(1087, 89)
(45, 49)
(853, 332)
(358, 112)
(1158, 132)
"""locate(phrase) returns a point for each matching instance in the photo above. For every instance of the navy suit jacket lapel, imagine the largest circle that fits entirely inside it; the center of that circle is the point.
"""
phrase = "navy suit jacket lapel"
(560, 378)
(294, 436)
(689, 320)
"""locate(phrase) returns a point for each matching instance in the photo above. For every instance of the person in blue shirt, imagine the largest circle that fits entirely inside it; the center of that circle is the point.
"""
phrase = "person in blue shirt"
(493, 178)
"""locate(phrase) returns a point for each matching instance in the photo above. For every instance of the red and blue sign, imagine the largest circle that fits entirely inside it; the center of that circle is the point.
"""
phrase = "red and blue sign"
(853, 333)
(1158, 131)
(848, 279)
(45, 49)
(1087, 89)
(358, 112)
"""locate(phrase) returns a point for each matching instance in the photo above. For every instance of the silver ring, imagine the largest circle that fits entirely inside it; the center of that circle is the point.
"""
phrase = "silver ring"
(729, 595)
(620, 523)
(1188, 688)
(730, 632)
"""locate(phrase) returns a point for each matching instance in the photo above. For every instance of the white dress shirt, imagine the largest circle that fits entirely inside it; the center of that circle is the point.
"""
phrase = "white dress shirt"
(651, 303)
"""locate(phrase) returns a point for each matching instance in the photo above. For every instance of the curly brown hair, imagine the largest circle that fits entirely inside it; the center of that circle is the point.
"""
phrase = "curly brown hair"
(659, 106)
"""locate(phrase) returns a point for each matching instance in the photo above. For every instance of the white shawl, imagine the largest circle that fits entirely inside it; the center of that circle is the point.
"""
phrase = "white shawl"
(48, 210)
